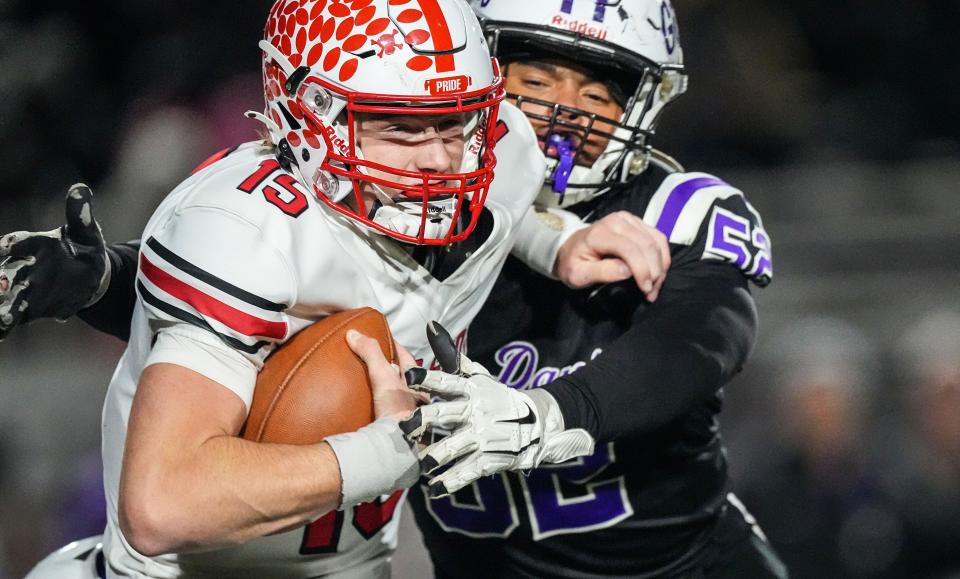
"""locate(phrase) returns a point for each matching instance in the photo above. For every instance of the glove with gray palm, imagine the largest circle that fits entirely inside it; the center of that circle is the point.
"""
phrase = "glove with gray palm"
(53, 274)
(492, 427)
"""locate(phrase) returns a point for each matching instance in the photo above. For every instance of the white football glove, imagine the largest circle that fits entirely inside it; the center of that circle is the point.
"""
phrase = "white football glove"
(494, 427)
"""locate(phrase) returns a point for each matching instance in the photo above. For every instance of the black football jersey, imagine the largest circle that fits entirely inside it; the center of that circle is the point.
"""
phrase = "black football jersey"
(645, 379)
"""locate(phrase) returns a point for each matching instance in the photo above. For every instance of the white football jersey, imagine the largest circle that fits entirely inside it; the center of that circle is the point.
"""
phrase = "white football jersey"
(238, 259)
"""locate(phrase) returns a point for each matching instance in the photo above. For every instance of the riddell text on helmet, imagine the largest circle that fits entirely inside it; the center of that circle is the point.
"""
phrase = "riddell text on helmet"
(581, 27)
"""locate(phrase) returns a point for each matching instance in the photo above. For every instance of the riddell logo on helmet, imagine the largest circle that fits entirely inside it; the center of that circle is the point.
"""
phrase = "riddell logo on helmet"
(580, 27)
(336, 140)
(448, 85)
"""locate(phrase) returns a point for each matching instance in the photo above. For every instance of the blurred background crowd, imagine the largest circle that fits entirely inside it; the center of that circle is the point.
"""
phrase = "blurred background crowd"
(835, 117)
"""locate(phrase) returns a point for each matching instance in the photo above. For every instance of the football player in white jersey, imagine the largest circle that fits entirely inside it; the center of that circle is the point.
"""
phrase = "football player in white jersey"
(368, 144)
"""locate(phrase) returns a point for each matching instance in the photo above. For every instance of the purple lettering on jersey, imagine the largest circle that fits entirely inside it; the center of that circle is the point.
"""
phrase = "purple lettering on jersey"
(678, 199)
(517, 361)
(740, 241)
(544, 376)
(572, 497)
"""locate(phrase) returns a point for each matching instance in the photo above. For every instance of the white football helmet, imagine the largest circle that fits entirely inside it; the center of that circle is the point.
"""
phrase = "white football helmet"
(81, 559)
(634, 43)
(325, 61)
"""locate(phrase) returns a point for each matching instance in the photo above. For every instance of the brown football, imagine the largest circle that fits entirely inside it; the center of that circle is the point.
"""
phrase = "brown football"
(314, 385)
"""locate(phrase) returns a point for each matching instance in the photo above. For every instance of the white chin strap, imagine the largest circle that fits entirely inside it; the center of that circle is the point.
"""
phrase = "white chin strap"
(404, 217)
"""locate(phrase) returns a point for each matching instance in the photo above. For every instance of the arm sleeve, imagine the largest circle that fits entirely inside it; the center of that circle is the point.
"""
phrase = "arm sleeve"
(677, 353)
(680, 350)
(215, 292)
(112, 313)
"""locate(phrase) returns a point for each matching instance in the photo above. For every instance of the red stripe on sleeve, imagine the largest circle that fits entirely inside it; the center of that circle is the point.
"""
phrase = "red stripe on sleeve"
(229, 316)
(210, 160)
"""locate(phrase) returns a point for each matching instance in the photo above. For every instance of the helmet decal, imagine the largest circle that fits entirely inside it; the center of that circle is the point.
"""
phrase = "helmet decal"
(599, 11)
(671, 33)
(359, 31)
(386, 44)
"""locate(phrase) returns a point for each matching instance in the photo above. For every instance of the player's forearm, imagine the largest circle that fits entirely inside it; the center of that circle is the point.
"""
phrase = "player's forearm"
(674, 357)
(226, 492)
(189, 483)
(112, 312)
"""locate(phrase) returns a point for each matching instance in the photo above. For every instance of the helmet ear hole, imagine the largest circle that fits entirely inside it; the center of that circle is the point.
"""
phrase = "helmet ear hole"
(318, 100)
(326, 184)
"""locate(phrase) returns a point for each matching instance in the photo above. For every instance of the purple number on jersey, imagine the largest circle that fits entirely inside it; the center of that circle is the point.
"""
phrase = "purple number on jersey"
(489, 511)
(734, 238)
(560, 499)
(763, 266)
(567, 498)
(729, 237)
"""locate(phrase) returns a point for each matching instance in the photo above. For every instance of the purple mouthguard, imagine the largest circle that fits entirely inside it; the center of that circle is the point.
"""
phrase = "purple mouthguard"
(565, 151)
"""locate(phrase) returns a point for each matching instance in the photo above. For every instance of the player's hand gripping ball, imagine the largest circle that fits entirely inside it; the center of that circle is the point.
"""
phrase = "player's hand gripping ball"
(314, 386)
(492, 427)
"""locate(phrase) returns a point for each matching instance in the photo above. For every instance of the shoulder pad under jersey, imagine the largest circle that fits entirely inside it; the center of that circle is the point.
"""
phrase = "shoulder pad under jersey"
(705, 218)
(250, 182)
(213, 257)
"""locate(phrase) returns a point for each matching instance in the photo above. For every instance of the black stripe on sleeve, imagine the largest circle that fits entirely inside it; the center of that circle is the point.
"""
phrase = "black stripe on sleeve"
(191, 319)
(212, 280)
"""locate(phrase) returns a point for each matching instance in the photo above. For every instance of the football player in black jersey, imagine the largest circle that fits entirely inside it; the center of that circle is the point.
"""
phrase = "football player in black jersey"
(643, 378)
(638, 375)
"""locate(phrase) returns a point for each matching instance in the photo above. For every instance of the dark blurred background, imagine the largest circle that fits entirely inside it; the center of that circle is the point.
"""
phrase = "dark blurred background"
(835, 117)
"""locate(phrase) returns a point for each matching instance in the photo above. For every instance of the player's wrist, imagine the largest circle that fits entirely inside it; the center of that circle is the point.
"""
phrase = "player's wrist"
(543, 233)
(105, 280)
(558, 443)
(374, 460)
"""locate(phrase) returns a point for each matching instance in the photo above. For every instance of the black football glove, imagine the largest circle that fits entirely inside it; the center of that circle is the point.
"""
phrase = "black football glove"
(53, 274)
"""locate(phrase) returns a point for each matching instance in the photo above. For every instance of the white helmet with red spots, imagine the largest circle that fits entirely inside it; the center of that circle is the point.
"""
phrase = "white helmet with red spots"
(325, 61)
(632, 44)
